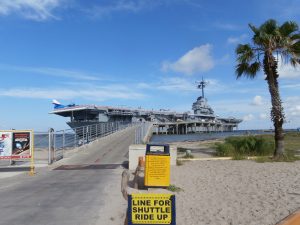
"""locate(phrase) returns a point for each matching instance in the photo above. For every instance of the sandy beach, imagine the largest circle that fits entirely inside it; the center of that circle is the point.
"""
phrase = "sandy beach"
(236, 192)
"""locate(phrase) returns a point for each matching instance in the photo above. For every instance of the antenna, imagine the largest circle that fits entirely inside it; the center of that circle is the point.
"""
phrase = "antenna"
(201, 85)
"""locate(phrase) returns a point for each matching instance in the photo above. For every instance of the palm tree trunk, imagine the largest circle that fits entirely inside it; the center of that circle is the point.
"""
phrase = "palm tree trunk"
(277, 115)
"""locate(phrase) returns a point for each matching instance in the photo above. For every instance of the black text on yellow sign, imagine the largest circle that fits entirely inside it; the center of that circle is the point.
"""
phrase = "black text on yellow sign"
(151, 209)
(157, 171)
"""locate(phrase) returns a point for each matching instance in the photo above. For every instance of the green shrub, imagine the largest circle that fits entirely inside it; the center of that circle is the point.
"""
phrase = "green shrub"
(174, 188)
(241, 147)
(179, 162)
(224, 149)
(251, 145)
(181, 149)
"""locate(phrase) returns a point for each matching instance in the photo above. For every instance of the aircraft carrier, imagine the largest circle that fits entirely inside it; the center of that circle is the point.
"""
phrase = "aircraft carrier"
(164, 121)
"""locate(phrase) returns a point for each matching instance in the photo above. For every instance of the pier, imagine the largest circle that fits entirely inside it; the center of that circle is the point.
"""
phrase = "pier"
(191, 127)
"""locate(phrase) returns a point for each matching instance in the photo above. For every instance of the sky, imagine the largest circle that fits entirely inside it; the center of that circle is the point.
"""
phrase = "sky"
(136, 53)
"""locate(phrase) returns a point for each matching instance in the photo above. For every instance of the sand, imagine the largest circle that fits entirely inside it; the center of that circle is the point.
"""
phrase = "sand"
(236, 192)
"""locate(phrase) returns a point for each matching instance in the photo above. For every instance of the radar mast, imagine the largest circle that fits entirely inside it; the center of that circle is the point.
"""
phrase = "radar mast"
(201, 85)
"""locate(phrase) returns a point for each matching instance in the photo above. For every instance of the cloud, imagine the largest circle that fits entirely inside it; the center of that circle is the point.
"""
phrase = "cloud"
(94, 93)
(287, 71)
(263, 116)
(143, 85)
(290, 86)
(183, 85)
(236, 40)
(197, 60)
(57, 72)
(110, 7)
(38, 10)
(226, 26)
(248, 117)
(171, 84)
(131, 6)
(176, 83)
(257, 101)
(290, 10)
(213, 87)
(292, 107)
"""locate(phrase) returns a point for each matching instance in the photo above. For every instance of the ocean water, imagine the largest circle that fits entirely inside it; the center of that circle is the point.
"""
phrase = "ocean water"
(41, 140)
(166, 138)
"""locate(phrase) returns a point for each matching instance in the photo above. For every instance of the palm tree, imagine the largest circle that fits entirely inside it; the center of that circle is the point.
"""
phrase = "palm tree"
(269, 43)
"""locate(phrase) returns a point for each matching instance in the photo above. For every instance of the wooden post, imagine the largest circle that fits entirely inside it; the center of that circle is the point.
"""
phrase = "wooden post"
(124, 183)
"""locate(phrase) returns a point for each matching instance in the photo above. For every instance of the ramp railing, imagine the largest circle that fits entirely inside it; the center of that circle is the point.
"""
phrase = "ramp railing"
(143, 132)
(52, 145)
(64, 140)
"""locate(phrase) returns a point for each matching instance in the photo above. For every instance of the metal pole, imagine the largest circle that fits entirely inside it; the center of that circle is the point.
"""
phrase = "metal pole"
(75, 138)
(54, 149)
(96, 130)
(83, 138)
(63, 140)
(64, 143)
(50, 144)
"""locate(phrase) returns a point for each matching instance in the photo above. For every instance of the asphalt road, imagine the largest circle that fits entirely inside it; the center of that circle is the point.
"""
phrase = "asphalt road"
(82, 191)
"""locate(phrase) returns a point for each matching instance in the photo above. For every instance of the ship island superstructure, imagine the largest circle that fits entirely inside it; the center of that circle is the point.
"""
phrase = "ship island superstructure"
(164, 121)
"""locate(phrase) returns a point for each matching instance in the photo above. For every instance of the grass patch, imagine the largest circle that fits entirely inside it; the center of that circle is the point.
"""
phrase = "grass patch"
(174, 188)
(263, 159)
(179, 162)
(292, 141)
(288, 157)
(238, 157)
(261, 146)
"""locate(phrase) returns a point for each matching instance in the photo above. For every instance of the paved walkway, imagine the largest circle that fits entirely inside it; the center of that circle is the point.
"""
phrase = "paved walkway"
(86, 194)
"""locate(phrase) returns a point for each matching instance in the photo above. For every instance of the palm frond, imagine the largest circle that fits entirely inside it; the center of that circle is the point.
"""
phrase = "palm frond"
(288, 28)
(266, 34)
(269, 39)
(253, 28)
(245, 53)
(290, 51)
(253, 69)
(240, 69)
(248, 70)
(295, 61)
(295, 48)
(295, 37)
(269, 27)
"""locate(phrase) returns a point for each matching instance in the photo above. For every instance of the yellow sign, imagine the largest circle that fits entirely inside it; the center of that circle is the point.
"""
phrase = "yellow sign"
(157, 170)
(151, 209)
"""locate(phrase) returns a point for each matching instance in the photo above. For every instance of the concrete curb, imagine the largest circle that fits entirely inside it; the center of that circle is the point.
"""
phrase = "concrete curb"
(210, 159)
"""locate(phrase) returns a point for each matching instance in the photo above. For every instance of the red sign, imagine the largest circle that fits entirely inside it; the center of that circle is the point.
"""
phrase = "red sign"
(15, 145)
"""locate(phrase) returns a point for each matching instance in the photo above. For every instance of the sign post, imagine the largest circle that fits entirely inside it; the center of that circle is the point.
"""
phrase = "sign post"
(17, 144)
(5, 144)
(150, 209)
(32, 172)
